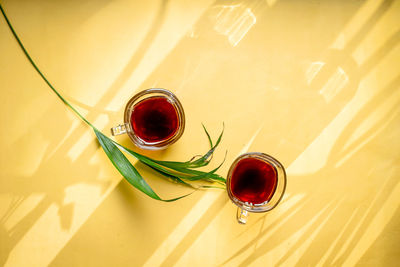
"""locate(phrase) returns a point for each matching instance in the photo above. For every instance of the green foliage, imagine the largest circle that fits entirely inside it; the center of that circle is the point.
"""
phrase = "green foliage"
(180, 172)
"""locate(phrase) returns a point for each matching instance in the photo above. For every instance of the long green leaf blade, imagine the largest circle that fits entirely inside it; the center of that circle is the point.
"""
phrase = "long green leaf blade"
(208, 135)
(201, 162)
(123, 165)
(202, 176)
(189, 173)
(180, 173)
(118, 158)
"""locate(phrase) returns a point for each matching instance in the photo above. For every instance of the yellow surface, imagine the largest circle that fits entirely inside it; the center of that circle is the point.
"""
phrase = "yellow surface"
(313, 83)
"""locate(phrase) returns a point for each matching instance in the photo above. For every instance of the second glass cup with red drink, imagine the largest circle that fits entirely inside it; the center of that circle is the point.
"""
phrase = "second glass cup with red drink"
(255, 183)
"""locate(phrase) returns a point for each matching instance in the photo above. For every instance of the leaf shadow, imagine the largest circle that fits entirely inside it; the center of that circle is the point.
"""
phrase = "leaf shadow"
(330, 183)
(45, 180)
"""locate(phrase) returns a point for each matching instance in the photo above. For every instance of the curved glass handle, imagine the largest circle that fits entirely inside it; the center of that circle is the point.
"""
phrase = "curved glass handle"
(120, 129)
(241, 215)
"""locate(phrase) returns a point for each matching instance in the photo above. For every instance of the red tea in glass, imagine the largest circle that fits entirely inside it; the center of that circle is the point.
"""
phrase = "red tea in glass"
(256, 183)
(253, 181)
(154, 119)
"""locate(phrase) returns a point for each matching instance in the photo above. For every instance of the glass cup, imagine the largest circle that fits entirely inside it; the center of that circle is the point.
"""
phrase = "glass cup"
(255, 176)
(163, 113)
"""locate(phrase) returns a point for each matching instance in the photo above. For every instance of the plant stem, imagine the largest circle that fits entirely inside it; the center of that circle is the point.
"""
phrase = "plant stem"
(40, 73)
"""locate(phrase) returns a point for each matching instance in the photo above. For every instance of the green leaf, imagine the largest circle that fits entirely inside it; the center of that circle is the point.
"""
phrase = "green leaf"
(202, 176)
(179, 171)
(183, 182)
(209, 175)
(171, 176)
(204, 160)
(208, 135)
(211, 186)
(123, 165)
(201, 162)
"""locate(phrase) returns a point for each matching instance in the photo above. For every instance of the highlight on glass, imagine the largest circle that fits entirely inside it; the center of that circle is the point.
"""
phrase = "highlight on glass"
(153, 119)
(256, 182)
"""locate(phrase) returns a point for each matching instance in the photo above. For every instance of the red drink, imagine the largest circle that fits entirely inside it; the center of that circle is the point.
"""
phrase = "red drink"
(255, 183)
(154, 119)
(253, 180)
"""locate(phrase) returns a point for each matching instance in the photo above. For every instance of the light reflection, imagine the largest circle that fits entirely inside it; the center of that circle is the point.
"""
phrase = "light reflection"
(181, 230)
(310, 233)
(270, 3)
(248, 144)
(54, 223)
(320, 147)
(350, 238)
(245, 241)
(47, 233)
(234, 21)
(356, 22)
(334, 85)
(374, 124)
(168, 246)
(313, 70)
(74, 124)
(156, 47)
(293, 238)
(338, 238)
(375, 227)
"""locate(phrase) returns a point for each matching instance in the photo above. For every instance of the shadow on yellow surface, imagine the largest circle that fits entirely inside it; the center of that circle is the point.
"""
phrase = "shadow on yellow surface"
(324, 208)
(287, 81)
(298, 91)
(37, 182)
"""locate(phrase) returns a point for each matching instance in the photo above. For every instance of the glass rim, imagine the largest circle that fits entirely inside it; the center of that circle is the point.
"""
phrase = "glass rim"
(281, 177)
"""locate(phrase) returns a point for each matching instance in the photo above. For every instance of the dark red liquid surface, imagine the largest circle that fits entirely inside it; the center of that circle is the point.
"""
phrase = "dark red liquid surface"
(253, 181)
(154, 119)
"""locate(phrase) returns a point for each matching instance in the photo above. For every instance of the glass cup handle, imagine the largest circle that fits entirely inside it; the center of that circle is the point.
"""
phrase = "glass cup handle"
(241, 215)
(120, 129)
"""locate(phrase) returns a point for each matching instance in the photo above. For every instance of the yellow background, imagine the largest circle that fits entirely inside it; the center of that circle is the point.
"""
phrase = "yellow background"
(313, 83)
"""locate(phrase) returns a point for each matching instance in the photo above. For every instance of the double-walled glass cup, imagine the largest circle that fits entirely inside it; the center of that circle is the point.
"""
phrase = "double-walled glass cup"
(153, 119)
(264, 181)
